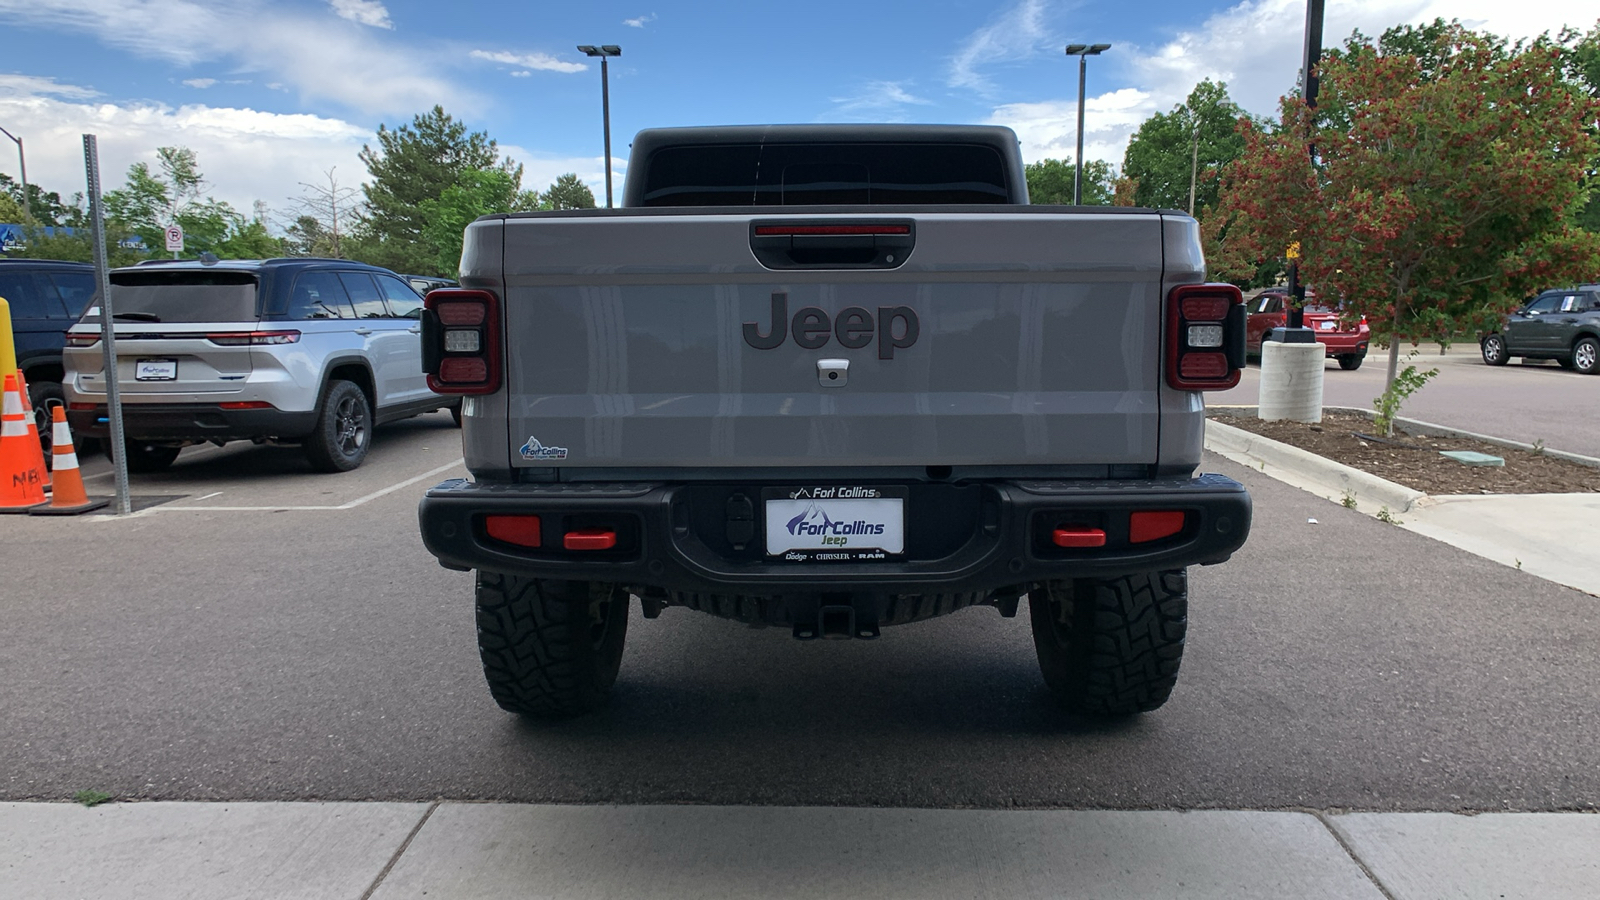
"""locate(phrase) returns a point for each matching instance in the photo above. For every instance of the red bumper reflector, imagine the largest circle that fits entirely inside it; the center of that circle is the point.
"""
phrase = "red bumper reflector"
(590, 539)
(1079, 537)
(520, 530)
(246, 404)
(463, 370)
(1144, 527)
(1203, 365)
(81, 407)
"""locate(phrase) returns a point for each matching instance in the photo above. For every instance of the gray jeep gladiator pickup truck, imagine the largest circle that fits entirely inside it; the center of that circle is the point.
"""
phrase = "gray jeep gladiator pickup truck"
(833, 378)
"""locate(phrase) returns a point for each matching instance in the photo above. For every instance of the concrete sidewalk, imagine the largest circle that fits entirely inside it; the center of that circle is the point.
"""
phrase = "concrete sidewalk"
(1548, 535)
(470, 850)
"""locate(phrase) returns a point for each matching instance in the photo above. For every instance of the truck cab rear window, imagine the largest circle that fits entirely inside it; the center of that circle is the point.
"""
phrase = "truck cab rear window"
(825, 175)
(186, 296)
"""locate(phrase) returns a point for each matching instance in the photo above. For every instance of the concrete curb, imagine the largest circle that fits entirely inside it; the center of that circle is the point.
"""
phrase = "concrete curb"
(1418, 426)
(1319, 475)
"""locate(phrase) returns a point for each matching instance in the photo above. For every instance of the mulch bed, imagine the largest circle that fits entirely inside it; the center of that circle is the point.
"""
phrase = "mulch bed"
(1414, 460)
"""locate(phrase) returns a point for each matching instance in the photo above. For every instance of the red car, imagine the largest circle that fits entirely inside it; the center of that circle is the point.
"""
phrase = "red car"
(1347, 345)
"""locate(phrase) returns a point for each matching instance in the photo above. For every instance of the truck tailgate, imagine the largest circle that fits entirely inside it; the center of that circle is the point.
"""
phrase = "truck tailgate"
(1015, 338)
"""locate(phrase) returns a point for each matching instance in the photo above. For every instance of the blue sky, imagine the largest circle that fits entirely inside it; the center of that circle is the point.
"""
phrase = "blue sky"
(271, 94)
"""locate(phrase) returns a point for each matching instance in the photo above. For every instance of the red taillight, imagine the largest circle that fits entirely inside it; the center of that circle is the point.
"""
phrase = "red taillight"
(82, 340)
(786, 230)
(524, 531)
(590, 539)
(1078, 537)
(463, 370)
(1205, 337)
(246, 404)
(461, 341)
(253, 338)
(461, 313)
(1144, 527)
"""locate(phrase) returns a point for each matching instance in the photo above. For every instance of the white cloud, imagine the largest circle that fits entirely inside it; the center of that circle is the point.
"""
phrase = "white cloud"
(1254, 47)
(1015, 34)
(640, 21)
(364, 12)
(521, 73)
(288, 45)
(542, 61)
(879, 101)
(201, 83)
(246, 154)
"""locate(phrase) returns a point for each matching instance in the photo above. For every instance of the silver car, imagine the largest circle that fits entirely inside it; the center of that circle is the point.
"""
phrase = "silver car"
(307, 351)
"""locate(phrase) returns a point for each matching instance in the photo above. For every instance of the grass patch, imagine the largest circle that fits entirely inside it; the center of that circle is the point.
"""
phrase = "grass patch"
(91, 798)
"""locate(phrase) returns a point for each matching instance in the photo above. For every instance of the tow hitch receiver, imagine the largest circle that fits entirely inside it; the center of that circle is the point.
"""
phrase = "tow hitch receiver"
(836, 617)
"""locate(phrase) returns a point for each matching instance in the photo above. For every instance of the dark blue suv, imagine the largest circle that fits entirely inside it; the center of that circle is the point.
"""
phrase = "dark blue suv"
(46, 297)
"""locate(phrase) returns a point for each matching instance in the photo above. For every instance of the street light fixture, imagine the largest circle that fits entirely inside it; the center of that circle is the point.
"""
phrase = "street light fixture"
(22, 160)
(1082, 52)
(604, 51)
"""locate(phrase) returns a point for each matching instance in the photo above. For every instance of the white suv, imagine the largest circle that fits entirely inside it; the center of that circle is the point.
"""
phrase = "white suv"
(308, 351)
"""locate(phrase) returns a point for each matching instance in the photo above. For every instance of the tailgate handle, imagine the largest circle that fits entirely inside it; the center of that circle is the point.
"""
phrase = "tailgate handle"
(832, 244)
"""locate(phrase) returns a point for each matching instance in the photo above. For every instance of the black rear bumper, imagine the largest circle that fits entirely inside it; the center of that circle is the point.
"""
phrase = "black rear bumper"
(194, 422)
(959, 537)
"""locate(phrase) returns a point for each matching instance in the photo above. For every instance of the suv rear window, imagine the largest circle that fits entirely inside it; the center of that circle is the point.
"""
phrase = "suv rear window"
(825, 174)
(186, 296)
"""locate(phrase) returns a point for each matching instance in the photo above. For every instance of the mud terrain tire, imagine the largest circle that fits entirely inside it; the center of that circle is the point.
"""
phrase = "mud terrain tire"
(1111, 646)
(550, 649)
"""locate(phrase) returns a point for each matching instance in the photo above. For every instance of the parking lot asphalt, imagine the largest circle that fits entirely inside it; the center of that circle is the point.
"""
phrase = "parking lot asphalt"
(241, 652)
(1536, 401)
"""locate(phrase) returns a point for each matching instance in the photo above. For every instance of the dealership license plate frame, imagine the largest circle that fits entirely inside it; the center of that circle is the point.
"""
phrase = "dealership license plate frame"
(163, 369)
(867, 500)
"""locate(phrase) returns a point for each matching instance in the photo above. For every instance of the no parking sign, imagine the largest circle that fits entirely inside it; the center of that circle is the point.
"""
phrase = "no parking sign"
(175, 238)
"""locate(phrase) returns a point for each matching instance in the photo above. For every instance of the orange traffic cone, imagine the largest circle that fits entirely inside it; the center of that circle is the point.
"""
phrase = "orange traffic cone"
(33, 428)
(69, 497)
(21, 488)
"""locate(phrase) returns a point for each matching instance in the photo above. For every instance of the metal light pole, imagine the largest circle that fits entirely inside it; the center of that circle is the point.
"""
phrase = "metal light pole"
(1082, 52)
(22, 160)
(604, 51)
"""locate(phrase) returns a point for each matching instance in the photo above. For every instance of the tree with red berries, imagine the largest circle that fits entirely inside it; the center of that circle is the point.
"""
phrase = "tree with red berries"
(1443, 170)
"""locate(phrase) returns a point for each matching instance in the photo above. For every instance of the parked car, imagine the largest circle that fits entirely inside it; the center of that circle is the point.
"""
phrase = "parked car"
(46, 297)
(307, 351)
(1563, 325)
(1343, 341)
(425, 283)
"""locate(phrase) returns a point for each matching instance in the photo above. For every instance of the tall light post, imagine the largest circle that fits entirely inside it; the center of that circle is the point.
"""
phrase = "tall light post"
(22, 160)
(604, 51)
(1082, 52)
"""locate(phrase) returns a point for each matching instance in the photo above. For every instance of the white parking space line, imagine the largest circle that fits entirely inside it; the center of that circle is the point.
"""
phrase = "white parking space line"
(456, 463)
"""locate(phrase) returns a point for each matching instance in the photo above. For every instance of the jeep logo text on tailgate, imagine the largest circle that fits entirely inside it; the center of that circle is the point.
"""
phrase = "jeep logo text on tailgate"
(854, 328)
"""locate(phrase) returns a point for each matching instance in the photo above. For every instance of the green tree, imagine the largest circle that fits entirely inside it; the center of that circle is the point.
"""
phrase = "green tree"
(567, 193)
(415, 163)
(1582, 65)
(479, 192)
(10, 210)
(1442, 188)
(1050, 182)
(172, 194)
(1190, 145)
(47, 208)
(251, 240)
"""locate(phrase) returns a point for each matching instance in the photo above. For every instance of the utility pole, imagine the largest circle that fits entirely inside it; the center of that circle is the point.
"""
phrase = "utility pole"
(1194, 161)
(604, 51)
(22, 162)
(1082, 52)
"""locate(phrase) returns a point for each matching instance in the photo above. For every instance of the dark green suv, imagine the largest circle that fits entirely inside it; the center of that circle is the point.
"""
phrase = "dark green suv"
(1563, 325)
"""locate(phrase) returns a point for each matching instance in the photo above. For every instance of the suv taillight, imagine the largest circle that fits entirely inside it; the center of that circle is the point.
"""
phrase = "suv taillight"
(83, 339)
(252, 338)
(461, 341)
(1205, 337)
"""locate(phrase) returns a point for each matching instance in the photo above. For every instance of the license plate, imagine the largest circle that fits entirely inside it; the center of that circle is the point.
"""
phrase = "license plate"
(1327, 326)
(155, 370)
(847, 523)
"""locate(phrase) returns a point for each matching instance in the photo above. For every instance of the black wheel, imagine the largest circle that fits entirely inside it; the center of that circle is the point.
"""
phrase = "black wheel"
(1111, 646)
(1586, 355)
(550, 649)
(344, 428)
(40, 395)
(145, 459)
(455, 413)
(1494, 350)
(1351, 361)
